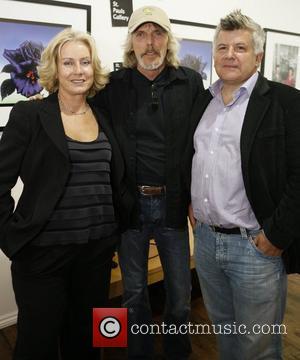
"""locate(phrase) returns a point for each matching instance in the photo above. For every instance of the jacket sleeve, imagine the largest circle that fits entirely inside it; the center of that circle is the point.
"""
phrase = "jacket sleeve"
(283, 226)
(13, 146)
(200, 86)
(198, 92)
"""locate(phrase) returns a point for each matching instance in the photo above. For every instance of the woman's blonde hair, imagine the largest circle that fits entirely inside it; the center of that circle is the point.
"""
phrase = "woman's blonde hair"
(47, 68)
(130, 60)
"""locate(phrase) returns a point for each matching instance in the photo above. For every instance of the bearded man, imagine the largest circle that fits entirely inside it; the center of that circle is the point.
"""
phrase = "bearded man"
(150, 102)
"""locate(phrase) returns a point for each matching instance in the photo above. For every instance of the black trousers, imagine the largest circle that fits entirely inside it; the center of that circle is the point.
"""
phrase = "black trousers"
(56, 288)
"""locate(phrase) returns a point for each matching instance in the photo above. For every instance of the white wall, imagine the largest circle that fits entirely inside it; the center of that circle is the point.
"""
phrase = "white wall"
(275, 14)
(8, 308)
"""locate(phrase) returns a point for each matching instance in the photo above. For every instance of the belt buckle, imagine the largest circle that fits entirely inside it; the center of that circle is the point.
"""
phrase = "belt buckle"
(148, 190)
(143, 189)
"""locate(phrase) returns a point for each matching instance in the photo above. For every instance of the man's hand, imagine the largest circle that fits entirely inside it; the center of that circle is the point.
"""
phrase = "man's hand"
(191, 216)
(265, 246)
(36, 97)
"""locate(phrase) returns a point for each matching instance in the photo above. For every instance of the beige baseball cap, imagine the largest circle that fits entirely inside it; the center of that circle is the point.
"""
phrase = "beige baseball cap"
(148, 14)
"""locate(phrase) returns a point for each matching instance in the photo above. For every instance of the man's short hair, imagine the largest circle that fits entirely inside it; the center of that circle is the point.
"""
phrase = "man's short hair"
(238, 21)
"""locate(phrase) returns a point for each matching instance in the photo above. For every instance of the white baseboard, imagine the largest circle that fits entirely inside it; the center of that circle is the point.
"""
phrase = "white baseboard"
(8, 319)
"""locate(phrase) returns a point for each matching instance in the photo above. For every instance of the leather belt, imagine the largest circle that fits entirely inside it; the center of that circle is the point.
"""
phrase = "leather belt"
(235, 230)
(151, 190)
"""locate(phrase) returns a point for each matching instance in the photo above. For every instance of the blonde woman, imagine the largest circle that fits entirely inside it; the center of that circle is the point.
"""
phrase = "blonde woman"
(63, 232)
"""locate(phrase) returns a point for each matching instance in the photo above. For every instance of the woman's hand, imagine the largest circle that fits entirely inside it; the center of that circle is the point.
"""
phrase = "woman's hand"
(36, 97)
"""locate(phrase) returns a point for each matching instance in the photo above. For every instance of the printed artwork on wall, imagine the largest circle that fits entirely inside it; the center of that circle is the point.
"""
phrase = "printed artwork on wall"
(197, 55)
(26, 27)
(282, 57)
(195, 50)
(285, 64)
(20, 53)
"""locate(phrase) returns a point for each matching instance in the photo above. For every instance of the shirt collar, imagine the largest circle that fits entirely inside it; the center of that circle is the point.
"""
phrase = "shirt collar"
(248, 86)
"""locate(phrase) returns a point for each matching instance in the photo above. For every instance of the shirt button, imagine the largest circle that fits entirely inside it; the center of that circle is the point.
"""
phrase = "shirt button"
(211, 152)
(205, 200)
(217, 129)
(206, 176)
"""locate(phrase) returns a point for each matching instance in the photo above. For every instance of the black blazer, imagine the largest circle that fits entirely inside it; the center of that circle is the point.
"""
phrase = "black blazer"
(270, 155)
(33, 146)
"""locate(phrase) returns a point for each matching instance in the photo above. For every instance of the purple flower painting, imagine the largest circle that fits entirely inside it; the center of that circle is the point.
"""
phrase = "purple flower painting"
(22, 67)
(21, 46)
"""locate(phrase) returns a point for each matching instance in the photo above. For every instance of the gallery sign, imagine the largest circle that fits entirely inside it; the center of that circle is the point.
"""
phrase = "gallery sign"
(120, 12)
(117, 65)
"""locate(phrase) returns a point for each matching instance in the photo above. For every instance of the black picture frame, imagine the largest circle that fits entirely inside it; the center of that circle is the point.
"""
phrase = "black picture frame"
(47, 12)
(84, 7)
(196, 40)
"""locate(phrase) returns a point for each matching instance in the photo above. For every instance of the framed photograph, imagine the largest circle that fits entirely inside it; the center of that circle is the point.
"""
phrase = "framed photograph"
(196, 52)
(282, 57)
(25, 29)
(20, 53)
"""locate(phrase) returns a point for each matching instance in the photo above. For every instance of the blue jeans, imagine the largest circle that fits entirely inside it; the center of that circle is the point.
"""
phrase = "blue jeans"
(241, 286)
(174, 253)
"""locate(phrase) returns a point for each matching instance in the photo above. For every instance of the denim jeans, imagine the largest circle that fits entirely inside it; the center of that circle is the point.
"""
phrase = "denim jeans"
(241, 287)
(174, 253)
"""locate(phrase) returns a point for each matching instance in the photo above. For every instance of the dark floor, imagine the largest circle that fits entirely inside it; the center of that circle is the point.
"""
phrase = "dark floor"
(205, 351)
(204, 346)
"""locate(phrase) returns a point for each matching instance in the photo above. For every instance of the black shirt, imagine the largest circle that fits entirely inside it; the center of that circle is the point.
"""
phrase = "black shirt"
(150, 129)
(85, 210)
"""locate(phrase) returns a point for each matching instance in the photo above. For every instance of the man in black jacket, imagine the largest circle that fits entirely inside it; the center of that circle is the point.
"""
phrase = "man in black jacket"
(150, 102)
(245, 194)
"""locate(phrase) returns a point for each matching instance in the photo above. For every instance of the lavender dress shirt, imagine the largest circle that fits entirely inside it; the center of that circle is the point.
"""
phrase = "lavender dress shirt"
(218, 193)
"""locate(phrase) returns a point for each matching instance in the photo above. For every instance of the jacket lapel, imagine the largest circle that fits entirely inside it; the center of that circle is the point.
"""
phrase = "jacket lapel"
(52, 123)
(256, 109)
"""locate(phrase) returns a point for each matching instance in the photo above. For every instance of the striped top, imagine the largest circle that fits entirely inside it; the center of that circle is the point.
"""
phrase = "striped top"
(85, 210)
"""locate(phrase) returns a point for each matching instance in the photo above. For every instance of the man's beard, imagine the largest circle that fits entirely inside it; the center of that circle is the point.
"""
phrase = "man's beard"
(153, 65)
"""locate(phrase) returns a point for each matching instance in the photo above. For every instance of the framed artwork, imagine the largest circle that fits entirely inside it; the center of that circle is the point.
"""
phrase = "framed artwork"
(20, 53)
(25, 29)
(282, 57)
(196, 52)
